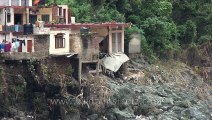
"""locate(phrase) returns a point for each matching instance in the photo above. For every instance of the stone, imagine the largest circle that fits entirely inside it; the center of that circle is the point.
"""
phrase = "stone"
(184, 103)
(195, 113)
(93, 116)
(125, 114)
(168, 116)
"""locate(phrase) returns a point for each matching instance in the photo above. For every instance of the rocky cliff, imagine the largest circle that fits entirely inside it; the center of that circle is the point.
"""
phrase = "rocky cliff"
(44, 90)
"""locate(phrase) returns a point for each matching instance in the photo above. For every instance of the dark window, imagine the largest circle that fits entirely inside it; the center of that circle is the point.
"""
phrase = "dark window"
(45, 18)
(113, 42)
(60, 11)
(8, 17)
(59, 41)
(18, 18)
(32, 19)
(120, 42)
(64, 15)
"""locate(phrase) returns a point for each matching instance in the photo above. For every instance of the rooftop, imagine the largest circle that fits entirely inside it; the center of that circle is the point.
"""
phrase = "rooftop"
(106, 24)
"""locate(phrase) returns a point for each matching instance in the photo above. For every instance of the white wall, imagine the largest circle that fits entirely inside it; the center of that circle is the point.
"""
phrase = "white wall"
(52, 49)
(2, 17)
(15, 2)
(8, 37)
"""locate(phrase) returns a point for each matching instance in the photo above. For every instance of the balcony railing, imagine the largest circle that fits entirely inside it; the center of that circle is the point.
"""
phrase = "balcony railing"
(11, 28)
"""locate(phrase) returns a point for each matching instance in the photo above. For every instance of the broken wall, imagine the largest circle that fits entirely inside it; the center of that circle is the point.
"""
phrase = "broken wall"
(41, 46)
(102, 31)
(87, 47)
(135, 44)
(75, 43)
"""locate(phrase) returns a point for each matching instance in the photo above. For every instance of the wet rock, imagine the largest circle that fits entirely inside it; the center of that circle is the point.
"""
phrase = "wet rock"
(193, 113)
(73, 115)
(110, 116)
(126, 114)
(20, 118)
(184, 103)
(93, 117)
(7, 118)
(168, 116)
(210, 92)
(177, 110)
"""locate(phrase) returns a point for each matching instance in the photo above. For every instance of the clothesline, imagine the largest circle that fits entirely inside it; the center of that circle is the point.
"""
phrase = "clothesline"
(12, 47)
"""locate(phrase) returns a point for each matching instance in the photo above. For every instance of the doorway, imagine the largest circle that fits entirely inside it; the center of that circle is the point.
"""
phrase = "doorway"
(20, 46)
(18, 19)
(32, 19)
(29, 46)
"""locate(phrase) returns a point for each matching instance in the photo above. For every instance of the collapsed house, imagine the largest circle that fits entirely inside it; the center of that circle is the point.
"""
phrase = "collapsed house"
(29, 32)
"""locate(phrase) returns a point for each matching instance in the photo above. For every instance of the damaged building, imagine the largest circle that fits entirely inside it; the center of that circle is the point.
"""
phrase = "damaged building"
(31, 32)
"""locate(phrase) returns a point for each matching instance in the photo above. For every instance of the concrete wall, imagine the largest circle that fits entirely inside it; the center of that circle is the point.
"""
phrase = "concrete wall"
(45, 11)
(75, 43)
(75, 30)
(135, 44)
(102, 31)
(15, 3)
(1, 16)
(8, 37)
(52, 49)
(41, 45)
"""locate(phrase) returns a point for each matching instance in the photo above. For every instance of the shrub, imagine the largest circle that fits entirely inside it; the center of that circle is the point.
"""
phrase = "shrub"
(204, 39)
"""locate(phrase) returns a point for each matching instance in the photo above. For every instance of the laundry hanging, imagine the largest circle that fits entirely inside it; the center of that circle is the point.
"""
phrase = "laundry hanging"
(23, 42)
(2, 47)
(14, 48)
(13, 40)
(7, 47)
(17, 44)
(16, 28)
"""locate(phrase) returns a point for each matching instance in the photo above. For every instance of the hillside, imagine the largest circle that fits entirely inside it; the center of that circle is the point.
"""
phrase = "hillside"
(167, 26)
(164, 90)
(170, 79)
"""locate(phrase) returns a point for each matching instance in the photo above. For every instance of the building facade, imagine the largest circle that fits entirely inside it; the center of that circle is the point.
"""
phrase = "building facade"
(38, 32)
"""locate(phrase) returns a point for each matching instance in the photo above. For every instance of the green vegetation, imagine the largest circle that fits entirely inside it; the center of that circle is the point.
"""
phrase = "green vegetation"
(166, 25)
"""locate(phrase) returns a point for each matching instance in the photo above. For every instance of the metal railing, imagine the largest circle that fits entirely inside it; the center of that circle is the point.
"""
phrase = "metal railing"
(12, 28)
